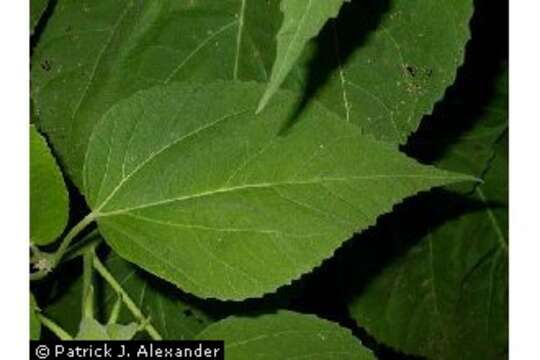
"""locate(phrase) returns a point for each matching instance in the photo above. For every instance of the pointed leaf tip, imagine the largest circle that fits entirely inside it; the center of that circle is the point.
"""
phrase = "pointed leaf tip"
(303, 20)
(186, 203)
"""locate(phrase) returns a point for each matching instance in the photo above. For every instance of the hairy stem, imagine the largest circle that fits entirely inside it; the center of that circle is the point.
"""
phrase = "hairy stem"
(130, 304)
(54, 328)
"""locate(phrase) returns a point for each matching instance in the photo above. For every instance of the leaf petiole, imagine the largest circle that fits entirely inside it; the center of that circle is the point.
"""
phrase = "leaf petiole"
(54, 328)
(90, 240)
(87, 220)
(51, 260)
(115, 312)
(130, 304)
(88, 290)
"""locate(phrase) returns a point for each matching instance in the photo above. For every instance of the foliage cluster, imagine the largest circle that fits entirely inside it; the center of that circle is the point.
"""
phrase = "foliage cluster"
(300, 178)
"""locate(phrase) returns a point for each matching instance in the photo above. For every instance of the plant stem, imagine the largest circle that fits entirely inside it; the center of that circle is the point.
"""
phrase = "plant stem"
(57, 256)
(38, 275)
(87, 220)
(130, 304)
(87, 292)
(55, 328)
(115, 312)
(92, 239)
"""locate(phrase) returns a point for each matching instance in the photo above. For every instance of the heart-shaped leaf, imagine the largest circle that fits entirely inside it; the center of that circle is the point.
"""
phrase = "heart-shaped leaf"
(188, 183)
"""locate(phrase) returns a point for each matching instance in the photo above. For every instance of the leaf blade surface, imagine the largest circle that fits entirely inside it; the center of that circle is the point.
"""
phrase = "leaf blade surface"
(390, 62)
(173, 316)
(447, 296)
(91, 329)
(285, 335)
(37, 8)
(48, 194)
(104, 52)
(303, 19)
(195, 190)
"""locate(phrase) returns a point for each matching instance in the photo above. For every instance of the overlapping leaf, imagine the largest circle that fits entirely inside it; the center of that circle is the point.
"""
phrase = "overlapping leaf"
(94, 53)
(173, 317)
(391, 60)
(303, 19)
(387, 62)
(447, 297)
(187, 182)
(285, 335)
(477, 121)
(48, 195)
(91, 329)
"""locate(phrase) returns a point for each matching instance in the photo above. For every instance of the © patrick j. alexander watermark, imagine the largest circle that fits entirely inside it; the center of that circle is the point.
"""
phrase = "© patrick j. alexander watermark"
(149, 350)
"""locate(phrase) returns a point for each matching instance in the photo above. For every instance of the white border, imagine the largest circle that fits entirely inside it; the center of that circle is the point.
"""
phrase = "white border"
(524, 180)
(14, 80)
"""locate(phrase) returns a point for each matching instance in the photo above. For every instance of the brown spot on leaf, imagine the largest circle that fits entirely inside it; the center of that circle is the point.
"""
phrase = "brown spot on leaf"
(46, 65)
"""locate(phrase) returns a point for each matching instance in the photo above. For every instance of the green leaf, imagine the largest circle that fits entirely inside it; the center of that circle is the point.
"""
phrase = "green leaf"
(91, 329)
(102, 52)
(472, 151)
(188, 183)
(390, 60)
(447, 297)
(35, 323)
(302, 21)
(122, 332)
(173, 316)
(48, 195)
(37, 8)
(285, 335)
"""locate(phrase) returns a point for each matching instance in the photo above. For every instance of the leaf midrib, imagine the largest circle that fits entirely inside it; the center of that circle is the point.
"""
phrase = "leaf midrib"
(239, 38)
(159, 152)
(275, 184)
(295, 36)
